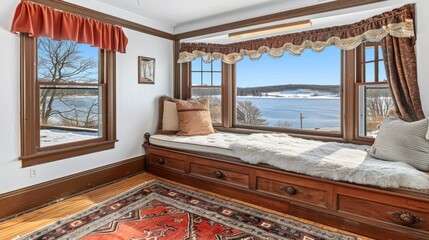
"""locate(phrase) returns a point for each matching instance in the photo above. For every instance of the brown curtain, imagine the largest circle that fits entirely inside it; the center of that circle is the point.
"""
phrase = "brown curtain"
(398, 23)
(42, 21)
(401, 69)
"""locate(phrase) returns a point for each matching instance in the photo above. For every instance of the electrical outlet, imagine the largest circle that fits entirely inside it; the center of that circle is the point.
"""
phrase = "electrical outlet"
(33, 172)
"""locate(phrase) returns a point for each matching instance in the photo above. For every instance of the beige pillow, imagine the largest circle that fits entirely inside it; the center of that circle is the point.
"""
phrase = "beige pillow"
(170, 119)
(194, 117)
(161, 102)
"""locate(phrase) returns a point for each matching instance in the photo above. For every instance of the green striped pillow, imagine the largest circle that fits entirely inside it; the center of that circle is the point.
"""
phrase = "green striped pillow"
(402, 141)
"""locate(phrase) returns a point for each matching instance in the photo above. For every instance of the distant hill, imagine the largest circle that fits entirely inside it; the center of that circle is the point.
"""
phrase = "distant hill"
(259, 91)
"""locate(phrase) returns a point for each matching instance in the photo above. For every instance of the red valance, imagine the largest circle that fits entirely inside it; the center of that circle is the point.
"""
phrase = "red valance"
(42, 21)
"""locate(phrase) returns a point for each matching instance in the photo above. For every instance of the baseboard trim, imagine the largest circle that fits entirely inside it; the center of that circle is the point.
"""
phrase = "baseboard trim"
(22, 200)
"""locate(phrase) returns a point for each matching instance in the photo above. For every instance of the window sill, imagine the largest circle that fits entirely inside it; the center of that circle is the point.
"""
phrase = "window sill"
(53, 155)
(363, 141)
(300, 135)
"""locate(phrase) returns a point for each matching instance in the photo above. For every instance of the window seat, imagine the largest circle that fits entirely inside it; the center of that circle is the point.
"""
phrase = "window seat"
(380, 213)
(328, 160)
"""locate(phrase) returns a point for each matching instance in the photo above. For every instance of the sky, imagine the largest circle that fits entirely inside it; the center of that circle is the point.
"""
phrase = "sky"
(89, 51)
(322, 68)
(310, 68)
(86, 51)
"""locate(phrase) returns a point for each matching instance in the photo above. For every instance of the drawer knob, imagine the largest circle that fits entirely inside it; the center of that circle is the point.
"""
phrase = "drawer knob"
(406, 218)
(218, 174)
(161, 161)
(290, 190)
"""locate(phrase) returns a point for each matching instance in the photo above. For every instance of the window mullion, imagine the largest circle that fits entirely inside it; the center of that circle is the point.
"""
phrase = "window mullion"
(376, 63)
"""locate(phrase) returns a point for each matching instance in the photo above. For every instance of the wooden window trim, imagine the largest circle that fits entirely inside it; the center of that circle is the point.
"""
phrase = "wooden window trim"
(352, 75)
(376, 61)
(298, 132)
(186, 75)
(31, 152)
(359, 65)
(305, 136)
(357, 137)
(229, 106)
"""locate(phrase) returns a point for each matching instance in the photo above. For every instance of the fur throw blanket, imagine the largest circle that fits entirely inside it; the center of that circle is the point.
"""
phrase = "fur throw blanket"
(330, 160)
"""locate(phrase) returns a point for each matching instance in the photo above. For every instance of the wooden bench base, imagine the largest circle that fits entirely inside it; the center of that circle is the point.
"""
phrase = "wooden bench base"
(369, 211)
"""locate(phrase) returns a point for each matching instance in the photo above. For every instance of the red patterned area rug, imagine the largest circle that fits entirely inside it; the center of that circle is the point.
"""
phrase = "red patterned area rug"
(158, 210)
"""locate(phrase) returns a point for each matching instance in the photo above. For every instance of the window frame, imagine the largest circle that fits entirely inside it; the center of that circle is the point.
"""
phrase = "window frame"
(299, 132)
(186, 93)
(360, 80)
(229, 112)
(31, 151)
(363, 61)
(352, 73)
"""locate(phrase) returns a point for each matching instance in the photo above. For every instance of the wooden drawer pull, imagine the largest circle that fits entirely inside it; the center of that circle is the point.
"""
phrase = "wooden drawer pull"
(290, 190)
(218, 174)
(406, 217)
(161, 161)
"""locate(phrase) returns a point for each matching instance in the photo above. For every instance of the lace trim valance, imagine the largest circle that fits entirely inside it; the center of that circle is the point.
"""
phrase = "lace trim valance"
(398, 23)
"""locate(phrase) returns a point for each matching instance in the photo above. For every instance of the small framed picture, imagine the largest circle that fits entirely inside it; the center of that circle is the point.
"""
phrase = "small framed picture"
(146, 70)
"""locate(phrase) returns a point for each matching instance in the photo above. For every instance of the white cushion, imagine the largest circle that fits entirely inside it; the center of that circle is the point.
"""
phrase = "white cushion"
(170, 119)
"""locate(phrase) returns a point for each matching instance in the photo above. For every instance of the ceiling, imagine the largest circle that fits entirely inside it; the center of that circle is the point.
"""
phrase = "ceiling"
(176, 12)
(188, 15)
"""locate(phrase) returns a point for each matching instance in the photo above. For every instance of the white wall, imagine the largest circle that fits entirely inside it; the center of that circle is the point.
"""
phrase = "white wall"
(135, 106)
(422, 52)
(136, 103)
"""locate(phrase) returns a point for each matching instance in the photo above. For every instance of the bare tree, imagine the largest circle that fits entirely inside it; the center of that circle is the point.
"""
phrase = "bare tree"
(213, 95)
(79, 113)
(61, 61)
(249, 114)
(284, 124)
(378, 103)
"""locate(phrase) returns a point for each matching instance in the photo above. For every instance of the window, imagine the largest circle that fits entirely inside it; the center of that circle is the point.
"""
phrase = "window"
(374, 97)
(334, 94)
(296, 93)
(206, 83)
(68, 110)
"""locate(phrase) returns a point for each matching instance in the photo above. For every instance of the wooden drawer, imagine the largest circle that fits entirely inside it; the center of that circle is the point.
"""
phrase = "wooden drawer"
(389, 209)
(221, 172)
(294, 188)
(292, 191)
(166, 162)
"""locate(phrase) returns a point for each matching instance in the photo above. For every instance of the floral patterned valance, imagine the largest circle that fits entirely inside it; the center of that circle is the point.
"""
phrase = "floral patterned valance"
(398, 23)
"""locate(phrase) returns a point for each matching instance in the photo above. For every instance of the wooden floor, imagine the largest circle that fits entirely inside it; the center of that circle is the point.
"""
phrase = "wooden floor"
(34, 220)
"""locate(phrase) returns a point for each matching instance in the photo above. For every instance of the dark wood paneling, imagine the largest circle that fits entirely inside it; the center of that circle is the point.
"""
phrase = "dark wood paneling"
(292, 191)
(223, 189)
(166, 162)
(36, 196)
(304, 11)
(96, 15)
(384, 212)
(363, 228)
(176, 70)
(352, 207)
(220, 173)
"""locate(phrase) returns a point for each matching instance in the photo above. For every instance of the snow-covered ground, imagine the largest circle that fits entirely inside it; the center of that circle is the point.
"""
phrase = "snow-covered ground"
(55, 137)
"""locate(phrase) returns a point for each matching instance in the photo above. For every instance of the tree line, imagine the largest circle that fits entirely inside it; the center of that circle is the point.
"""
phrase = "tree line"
(261, 91)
